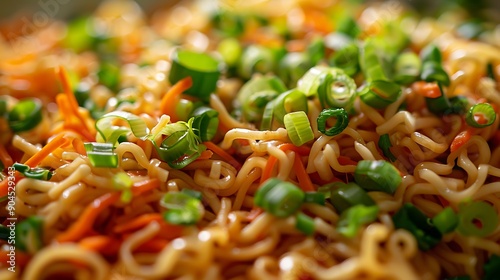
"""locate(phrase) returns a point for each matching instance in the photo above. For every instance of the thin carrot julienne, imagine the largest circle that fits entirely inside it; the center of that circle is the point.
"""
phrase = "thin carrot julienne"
(302, 176)
(171, 98)
(461, 139)
(138, 222)
(103, 244)
(223, 154)
(271, 161)
(207, 154)
(37, 158)
(430, 90)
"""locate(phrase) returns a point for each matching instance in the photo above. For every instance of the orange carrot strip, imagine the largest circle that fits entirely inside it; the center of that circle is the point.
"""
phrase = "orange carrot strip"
(430, 90)
(138, 222)
(443, 201)
(223, 154)
(304, 179)
(92, 211)
(206, 154)
(343, 160)
(167, 104)
(154, 245)
(57, 142)
(462, 138)
(5, 157)
(271, 161)
(103, 244)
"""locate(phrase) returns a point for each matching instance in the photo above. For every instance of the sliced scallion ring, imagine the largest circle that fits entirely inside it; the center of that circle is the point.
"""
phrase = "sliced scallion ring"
(110, 133)
(380, 94)
(25, 115)
(342, 121)
(481, 115)
(299, 128)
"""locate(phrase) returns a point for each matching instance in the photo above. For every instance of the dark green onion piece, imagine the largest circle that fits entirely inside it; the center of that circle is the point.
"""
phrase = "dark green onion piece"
(348, 25)
(109, 75)
(480, 111)
(407, 68)
(110, 133)
(205, 122)
(327, 189)
(267, 117)
(440, 105)
(432, 69)
(282, 200)
(202, 68)
(3, 107)
(342, 121)
(380, 94)
(33, 173)
(293, 66)
(101, 154)
(371, 62)
(264, 188)
(305, 224)
(417, 223)
(348, 195)
(287, 102)
(445, 221)
(459, 105)
(183, 209)
(183, 109)
(336, 90)
(492, 268)
(256, 59)
(377, 175)
(315, 197)
(354, 218)
(25, 115)
(346, 59)
(315, 51)
(255, 94)
(228, 23)
(195, 194)
(298, 128)
(384, 143)
(477, 218)
(29, 234)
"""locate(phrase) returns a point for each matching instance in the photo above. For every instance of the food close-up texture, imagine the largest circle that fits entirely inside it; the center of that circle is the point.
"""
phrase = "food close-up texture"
(258, 139)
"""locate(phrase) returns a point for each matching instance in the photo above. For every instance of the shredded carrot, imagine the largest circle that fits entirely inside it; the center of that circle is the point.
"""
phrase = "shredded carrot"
(304, 179)
(271, 161)
(430, 90)
(443, 201)
(223, 154)
(57, 142)
(138, 222)
(462, 138)
(92, 211)
(103, 244)
(171, 98)
(5, 157)
(343, 160)
(152, 246)
(207, 154)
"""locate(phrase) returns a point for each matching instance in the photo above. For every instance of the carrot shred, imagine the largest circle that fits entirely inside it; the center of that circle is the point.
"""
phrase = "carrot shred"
(103, 244)
(223, 154)
(92, 211)
(167, 104)
(207, 154)
(462, 138)
(138, 222)
(343, 160)
(152, 246)
(430, 90)
(443, 201)
(268, 170)
(304, 179)
(5, 157)
(271, 161)
(51, 146)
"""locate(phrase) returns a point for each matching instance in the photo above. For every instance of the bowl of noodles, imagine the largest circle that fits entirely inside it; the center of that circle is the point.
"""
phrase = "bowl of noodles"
(250, 140)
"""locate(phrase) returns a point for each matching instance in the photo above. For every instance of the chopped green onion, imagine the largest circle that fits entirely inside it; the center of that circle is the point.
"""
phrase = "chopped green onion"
(356, 216)
(492, 268)
(109, 75)
(348, 25)
(205, 122)
(344, 196)
(385, 145)
(255, 94)
(371, 62)
(110, 133)
(78, 37)
(281, 199)
(230, 50)
(481, 115)
(459, 105)
(336, 90)
(181, 146)
(202, 68)
(490, 71)
(256, 59)
(305, 224)
(101, 154)
(3, 107)
(315, 50)
(287, 102)
(123, 182)
(299, 128)
(327, 189)
(380, 94)
(432, 70)
(293, 66)
(407, 68)
(196, 194)
(264, 188)
(230, 24)
(267, 117)
(183, 209)
(417, 223)
(183, 109)
(477, 218)
(315, 197)
(346, 59)
(33, 173)
(439, 105)
(377, 175)
(342, 121)
(29, 234)
(445, 221)
(25, 115)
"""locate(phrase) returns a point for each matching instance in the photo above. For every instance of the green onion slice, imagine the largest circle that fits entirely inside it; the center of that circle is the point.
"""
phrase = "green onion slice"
(205, 122)
(371, 62)
(25, 115)
(377, 175)
(417, 223)
(101, 154)
(255, 94)
(293, 66)
(184, 109)
(287, 102)
(305, 224)
(347, 59)
(477, 218)
(481, 115)
(279, 198)
(315, 197)
(344, 196)
(109, 133)
(256, 59)
(492, 268)
(342, 121)
(385, 145)
(352, 219)
(407, 68)
(380, 94)
(440, 105)
(33, 173)
(29, 234)
(183, 209)
(432, 70)
(123, 182)
(299, 128)
(445, 221)
(202, 68)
